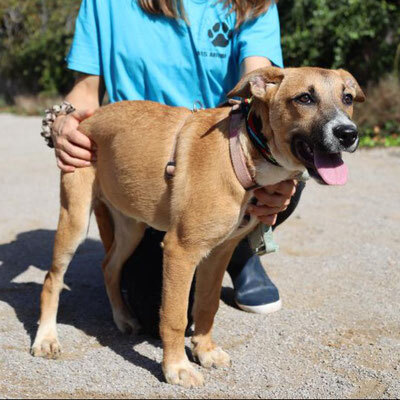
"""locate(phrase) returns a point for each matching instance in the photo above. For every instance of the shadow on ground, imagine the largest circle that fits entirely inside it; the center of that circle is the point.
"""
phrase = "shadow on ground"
(84, 307)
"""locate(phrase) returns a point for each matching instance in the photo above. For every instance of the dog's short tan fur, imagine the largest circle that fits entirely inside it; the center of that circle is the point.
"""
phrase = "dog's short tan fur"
(200, 208)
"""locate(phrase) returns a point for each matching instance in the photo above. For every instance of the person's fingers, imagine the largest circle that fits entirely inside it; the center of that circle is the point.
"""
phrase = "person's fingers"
(81, 115)
(63, 125)
(76, 151)
(263, 211)
(72, 147)
(71, 161)
(67, 128)
(268, 220)
(64, 167)
(286, 188)
(81, 140)
(271, 200)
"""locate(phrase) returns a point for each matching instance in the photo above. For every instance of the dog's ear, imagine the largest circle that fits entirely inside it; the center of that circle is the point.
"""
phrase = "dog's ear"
(351, 83)
(257, 83)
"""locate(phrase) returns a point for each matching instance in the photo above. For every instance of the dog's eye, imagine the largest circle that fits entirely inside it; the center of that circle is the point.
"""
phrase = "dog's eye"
(348, 99)
(304, 98)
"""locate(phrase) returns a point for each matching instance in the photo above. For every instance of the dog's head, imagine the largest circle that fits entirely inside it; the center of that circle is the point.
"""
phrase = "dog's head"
(306, 117)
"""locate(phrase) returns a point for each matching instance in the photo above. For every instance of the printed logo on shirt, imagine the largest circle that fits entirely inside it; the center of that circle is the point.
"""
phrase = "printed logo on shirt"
(220, 34)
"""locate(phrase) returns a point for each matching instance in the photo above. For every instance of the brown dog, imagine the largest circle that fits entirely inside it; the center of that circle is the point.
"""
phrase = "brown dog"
(304, 114)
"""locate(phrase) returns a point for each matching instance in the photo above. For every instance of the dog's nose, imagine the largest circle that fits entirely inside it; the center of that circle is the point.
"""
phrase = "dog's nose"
(347, 134)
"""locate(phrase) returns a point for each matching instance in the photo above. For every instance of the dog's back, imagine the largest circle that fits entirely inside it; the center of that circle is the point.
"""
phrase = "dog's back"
(135, 140)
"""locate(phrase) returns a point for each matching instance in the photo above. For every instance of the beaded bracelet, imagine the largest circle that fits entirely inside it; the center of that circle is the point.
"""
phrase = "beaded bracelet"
(50, 116)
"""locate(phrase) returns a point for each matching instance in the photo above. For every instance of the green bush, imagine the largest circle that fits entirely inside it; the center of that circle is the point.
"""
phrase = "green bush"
(34, 38)
(379, 116)
(359, 35)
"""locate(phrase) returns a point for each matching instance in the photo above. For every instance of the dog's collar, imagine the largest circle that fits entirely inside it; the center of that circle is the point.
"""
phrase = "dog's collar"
(257, 138)
(238, 113)
(236, 152)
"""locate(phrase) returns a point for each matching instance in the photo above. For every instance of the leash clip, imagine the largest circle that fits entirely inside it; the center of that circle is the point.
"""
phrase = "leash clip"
(197, 105)
(262, 241)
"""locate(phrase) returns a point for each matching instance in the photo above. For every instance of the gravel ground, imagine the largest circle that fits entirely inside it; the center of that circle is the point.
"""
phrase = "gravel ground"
(337, 335)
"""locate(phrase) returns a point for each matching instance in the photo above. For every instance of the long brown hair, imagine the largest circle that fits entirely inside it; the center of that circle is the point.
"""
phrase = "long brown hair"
(245, 9)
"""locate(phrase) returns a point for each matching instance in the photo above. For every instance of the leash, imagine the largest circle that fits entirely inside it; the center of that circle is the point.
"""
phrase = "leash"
(260, 239)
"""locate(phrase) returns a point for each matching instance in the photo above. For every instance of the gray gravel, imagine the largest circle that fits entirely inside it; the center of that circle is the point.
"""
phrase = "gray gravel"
(337, 336)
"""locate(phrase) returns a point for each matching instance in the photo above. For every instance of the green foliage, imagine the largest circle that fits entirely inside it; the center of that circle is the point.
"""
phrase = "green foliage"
(379, 117)
(359, 35)
(370, 139)
(387, 135)
(34, 38)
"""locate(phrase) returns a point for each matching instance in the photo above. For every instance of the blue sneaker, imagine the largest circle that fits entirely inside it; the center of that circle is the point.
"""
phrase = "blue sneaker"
(254, 291)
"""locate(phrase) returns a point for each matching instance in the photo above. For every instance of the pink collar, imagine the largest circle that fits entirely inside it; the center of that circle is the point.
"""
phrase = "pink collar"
(235, 148)
(237, 156)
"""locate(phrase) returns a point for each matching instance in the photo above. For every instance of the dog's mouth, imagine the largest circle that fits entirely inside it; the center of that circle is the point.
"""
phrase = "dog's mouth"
(327, 168)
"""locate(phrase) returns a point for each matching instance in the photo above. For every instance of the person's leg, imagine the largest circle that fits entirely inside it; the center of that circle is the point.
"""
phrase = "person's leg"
(141, 282)
(254, 291)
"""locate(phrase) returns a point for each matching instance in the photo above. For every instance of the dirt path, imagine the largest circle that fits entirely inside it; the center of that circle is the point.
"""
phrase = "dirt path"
(338, 334)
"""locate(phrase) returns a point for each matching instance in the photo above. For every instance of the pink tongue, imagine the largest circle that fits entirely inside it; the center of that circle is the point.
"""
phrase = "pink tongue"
(331, 168)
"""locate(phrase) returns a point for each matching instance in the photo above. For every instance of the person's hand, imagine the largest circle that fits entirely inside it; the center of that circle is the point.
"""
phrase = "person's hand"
(272, 200)
(73, 149)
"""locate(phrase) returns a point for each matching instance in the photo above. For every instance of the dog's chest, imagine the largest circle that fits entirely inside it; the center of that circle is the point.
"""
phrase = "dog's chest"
(246, 222)
(268, 174)
(245, 228)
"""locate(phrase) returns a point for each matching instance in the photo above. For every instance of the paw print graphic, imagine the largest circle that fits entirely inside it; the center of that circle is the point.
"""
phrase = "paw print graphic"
(220, 34)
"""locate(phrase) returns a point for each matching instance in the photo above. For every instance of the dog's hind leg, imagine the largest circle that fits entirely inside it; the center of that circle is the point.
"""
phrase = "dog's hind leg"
(105, 224)
(209, 277)
(127, 235)
(76, 199)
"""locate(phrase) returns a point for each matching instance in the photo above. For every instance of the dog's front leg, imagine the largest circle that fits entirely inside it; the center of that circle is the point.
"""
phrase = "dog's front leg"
(180, 261)
(209, 277)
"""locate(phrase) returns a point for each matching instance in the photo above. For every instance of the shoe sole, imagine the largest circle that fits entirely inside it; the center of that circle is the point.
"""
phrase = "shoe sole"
(262, 309)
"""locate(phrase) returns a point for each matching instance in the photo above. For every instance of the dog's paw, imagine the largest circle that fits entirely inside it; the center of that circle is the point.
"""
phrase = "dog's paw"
(47, 348)
(216, 357)
(126, 323)
(220, 34)
(183, 374)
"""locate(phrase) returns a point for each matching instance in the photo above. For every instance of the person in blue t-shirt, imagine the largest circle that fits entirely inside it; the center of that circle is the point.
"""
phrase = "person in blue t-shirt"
(178, 53)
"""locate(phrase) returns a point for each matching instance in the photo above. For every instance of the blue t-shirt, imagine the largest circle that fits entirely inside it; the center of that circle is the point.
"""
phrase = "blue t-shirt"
(148, 57)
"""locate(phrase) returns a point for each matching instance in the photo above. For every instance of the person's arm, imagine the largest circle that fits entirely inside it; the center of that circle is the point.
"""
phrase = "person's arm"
(275, 198)
(251, 63)
(73, 148)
